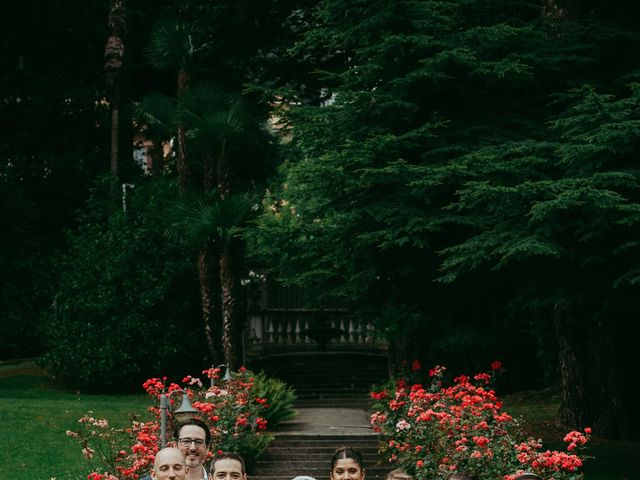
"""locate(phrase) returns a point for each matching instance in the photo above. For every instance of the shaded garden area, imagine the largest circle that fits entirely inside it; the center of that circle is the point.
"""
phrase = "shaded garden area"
(458, 176)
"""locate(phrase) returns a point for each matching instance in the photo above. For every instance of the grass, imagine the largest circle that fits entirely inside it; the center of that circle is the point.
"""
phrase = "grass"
(612, 460)
(35, 414)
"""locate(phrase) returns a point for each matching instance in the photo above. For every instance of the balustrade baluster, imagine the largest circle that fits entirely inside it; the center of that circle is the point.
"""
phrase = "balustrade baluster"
(288, 338)
(296, 332)
(271, 332)
(344, 337)
(307, 340)
(352, 335)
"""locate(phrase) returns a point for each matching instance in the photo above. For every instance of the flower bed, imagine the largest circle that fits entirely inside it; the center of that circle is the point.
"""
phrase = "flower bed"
(437, 430)
(236, 415)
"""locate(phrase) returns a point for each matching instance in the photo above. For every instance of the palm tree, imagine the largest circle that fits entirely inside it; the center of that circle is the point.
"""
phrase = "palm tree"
(211, 225)
(113, 55)
(219, 129)
(219, 123)
(172, 46)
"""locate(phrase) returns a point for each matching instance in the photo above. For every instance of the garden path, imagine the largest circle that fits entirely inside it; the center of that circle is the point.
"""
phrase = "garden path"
(332, 392)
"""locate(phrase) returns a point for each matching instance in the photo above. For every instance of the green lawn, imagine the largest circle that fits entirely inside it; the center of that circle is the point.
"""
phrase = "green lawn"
(34, 412)
(611, 460)
(35, 415)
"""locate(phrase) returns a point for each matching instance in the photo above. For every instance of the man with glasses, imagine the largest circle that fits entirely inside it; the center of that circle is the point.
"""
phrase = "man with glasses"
(193, 439)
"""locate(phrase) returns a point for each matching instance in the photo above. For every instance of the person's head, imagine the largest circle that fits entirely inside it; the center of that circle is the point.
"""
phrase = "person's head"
(398, 474)
(528, 476)
(193, 438)
(169, 464)
(462, 476)
(347, 464)
(228, 466)
(303, 477)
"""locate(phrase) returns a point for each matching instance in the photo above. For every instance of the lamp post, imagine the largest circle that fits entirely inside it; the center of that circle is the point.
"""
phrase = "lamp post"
(185, 412)
(227, 374)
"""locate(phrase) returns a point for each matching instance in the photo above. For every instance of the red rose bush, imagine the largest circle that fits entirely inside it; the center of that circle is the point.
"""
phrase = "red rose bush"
(437, 430)
(236, 415)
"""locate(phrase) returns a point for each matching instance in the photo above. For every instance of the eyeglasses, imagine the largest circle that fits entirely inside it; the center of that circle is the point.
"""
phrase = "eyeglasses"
(186, 442)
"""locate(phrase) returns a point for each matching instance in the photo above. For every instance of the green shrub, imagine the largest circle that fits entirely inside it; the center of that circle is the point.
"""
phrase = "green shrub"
(127, 306)
(280, 398)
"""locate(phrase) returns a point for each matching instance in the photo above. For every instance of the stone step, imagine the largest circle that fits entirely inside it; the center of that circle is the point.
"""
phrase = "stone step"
(320, 387)
(284, 454)
(323, 403)
(315, 447)
(303, 459)
(318, 383)
(335, 393)
(293, 438)
(311, 470)
(322, 476)
(322, 441)
(354, 374)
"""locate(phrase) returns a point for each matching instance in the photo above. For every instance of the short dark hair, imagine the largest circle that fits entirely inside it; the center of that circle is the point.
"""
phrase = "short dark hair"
(462, 476)
(347, 452)
(230, 456)
(528, 476)
(198, 423)
(398, 474)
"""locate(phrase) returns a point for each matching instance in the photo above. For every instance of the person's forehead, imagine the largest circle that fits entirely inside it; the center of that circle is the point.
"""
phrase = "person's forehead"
(227, 464)
(192, 431)
(170, 458)
(346, 462)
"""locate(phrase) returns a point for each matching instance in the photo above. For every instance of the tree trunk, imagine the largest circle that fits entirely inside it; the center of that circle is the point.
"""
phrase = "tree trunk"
(208, 173)
(115, 129)
(592, 391)
(231, 306)
(208, 289)
(223, 172)
(182, 165)
(156, 155)
(113, 56)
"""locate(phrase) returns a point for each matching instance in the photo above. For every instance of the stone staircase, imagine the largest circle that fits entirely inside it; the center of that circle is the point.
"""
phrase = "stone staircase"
(292, 455)
(332, 391)
(326, 379)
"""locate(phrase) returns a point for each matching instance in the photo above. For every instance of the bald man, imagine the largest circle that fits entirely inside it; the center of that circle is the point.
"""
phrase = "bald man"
(169, 465)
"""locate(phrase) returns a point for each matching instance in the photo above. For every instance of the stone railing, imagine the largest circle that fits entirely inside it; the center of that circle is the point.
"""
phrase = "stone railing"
(308, 329)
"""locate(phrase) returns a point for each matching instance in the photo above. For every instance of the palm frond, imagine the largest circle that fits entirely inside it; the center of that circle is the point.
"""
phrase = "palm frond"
(158, 110)
(196, 221)
(170, 45)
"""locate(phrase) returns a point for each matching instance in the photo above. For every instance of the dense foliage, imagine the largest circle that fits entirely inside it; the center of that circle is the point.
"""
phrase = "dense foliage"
(126, 299)
(53, 143)
(438, 428)
(466, 182)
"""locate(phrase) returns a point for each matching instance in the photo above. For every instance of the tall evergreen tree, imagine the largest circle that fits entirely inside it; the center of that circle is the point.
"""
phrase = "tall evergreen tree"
(427, 108)
(407, 88)
(568, 216)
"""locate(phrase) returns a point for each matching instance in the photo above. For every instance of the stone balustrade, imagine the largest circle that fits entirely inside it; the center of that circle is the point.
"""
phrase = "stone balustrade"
(308, 329)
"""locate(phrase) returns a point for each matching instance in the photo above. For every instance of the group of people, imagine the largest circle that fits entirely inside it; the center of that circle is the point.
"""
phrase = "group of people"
(186, 461)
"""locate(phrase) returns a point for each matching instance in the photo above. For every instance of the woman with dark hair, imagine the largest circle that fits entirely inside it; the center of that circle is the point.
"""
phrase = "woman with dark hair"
(347, 464)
